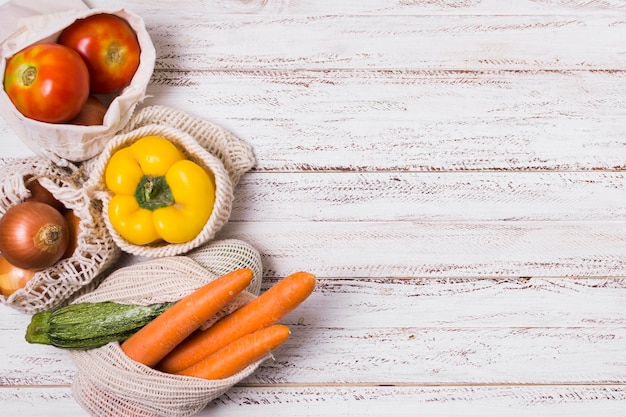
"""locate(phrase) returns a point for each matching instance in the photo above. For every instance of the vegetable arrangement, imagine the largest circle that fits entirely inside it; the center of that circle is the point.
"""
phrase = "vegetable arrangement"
(57, 82)
(159, 194)
(168, 337)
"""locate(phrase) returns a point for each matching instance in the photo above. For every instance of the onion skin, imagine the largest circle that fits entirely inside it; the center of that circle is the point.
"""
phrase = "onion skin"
(39, 193)
(73, 224)
(33, 235)
(13, 278)
(92, 113)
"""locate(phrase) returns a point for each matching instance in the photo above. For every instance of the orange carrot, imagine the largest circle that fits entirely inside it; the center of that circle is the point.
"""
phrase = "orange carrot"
(238, 354)
(263, 311)
(155, 340)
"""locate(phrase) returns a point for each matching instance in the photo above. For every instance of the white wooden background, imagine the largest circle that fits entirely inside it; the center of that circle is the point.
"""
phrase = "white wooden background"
(454, 171)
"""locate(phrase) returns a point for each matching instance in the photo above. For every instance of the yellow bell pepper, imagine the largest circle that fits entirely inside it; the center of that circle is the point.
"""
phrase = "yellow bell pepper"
(158, 194)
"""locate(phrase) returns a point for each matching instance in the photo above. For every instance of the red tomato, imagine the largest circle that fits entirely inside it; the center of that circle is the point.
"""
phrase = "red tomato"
(109, 47)
(47, 82)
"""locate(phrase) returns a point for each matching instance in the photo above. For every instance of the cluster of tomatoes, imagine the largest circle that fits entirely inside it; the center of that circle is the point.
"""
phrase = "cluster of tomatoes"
(59, 82)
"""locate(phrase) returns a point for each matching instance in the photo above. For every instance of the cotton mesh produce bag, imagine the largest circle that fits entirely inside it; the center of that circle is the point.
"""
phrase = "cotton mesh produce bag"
(32, 22)
(95, 251)
(203, 142)
(109, 383)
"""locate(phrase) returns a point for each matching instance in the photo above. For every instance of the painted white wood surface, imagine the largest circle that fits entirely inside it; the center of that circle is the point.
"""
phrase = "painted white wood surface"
(453, 172)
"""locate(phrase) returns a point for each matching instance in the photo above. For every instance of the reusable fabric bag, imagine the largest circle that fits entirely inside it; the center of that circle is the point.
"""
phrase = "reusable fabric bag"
(66, 142)
(95, 252)
(203, 142)
(109, 383)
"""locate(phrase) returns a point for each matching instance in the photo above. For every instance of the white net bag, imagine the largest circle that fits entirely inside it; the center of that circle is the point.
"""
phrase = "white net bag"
(109, 383)
(210, 146)
(236, 155)
(95, 251)
(67, 142)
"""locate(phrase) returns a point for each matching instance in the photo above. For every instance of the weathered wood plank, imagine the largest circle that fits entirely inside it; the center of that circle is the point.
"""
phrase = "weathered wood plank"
(420, 356)
(476, 401)
(465, 42)
(411, 120)
(460, 303)
(54, 401)
(400, 196)
(438, 249)
(27, 364)
(450, 356)
(480, 401)
(375, 7)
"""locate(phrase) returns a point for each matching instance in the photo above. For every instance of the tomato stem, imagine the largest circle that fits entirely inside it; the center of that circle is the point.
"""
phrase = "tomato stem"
(114, 54)
(153, 193)
(29, 76)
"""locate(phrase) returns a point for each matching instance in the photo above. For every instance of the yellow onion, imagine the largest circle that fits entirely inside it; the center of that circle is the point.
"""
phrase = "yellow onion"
(33, 235)
(12, 278)
(39, 193)
(73, 224)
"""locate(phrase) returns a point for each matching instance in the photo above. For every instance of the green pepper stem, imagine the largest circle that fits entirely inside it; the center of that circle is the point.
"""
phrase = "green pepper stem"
(153, 193)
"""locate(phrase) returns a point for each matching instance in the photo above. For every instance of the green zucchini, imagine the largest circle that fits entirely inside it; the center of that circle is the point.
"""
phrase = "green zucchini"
(90, 325)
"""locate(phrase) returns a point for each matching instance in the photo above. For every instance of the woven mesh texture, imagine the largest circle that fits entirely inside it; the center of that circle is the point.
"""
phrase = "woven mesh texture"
(108, 383)
(95, 250)
(202, 142)
(236, 155)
